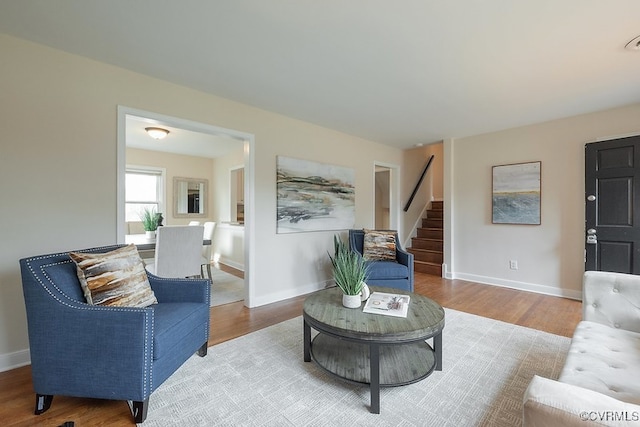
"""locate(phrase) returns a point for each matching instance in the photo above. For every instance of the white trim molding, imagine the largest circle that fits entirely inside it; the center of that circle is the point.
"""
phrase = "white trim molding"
(14, 360)
(522, 286)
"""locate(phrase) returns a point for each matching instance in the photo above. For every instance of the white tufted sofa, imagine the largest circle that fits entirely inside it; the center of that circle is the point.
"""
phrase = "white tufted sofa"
(600, 381)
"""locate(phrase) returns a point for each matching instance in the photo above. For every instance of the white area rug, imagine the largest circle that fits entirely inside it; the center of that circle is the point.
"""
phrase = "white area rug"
(261, 379)
(225, 288)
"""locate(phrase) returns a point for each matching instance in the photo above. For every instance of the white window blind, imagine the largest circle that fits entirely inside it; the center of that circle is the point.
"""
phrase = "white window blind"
(143, 189)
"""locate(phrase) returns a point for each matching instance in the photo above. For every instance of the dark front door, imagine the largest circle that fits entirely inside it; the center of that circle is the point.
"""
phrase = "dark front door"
(612, 191)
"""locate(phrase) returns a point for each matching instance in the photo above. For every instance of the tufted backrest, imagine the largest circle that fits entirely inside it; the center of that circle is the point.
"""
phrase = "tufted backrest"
(612, 299)
(56, 274)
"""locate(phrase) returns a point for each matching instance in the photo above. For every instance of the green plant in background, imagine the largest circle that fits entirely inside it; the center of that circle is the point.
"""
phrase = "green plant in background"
(150, 219)
(349, 268)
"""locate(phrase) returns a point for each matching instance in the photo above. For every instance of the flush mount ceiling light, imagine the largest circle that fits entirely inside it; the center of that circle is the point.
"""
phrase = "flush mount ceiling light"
(157, 133)
(633, 44)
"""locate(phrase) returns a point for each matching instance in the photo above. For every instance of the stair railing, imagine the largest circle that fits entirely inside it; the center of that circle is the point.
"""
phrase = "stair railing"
(415, 190)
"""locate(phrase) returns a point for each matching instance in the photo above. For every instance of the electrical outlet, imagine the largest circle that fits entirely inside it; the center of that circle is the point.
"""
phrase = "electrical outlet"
(513, 264)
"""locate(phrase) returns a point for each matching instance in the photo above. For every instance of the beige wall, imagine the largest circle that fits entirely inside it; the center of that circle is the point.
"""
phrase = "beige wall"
(551, 255)
(176, 165)
(222, 183)
(58, 179)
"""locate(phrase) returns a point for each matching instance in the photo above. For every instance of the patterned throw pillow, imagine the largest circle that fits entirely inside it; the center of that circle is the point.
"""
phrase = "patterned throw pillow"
(115, 278)
(379, 245)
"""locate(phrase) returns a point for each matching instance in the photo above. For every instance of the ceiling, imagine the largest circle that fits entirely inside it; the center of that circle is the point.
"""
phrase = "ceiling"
(179, 140)
(400, 73)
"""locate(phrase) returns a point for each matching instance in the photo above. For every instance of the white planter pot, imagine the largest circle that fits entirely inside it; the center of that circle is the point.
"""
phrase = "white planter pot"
(364, 294)
(150, 234)
(351, 301)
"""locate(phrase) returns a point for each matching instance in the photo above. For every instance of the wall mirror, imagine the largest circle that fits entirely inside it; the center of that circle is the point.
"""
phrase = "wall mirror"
(190, 197)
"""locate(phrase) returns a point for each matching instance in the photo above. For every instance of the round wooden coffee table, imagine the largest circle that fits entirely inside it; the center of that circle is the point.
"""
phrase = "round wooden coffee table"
(370, 348)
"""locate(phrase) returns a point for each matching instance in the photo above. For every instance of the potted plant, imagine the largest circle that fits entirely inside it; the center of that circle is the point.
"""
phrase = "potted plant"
(349, 273)
(150, 221)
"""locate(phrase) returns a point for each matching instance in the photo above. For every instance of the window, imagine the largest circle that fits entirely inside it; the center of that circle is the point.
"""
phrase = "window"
(144, 188)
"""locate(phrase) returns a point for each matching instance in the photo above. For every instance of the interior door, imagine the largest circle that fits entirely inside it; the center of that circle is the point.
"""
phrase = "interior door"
(612, 191)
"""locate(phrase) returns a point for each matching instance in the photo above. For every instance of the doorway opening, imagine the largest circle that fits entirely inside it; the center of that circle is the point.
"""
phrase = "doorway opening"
(199, 151)
(385, 197)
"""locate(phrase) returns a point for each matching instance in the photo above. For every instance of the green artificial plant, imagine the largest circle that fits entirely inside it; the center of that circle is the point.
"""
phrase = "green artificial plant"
(349, 268)
(150, 219)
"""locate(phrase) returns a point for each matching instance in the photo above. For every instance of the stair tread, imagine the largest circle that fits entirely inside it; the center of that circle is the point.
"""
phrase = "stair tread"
(427, 262)
(436, 251)
(430, 244)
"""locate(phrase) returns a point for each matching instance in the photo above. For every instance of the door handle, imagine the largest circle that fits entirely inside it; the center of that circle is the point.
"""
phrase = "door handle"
(592, 239)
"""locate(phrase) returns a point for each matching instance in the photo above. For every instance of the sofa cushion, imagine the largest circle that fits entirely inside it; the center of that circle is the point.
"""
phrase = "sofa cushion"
(605, 360)
(174, 320)
(386, 270)
(379, 245)
(115, 278)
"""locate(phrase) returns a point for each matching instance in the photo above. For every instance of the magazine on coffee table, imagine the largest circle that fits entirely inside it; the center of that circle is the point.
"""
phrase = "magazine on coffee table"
(395, 305)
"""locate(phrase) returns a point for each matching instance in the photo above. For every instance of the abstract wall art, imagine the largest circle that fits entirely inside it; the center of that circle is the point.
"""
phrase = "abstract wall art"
(314, 196)
(516, 194)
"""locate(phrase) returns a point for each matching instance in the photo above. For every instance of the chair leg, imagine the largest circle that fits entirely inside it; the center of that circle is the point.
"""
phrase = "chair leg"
(202, 351)
(43, 402)
(139, 410)
(208, 269)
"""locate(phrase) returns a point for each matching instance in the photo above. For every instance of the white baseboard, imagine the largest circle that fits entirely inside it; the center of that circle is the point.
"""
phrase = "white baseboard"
(522, 286)
(280, 296)
(14, 360)
(231, 263)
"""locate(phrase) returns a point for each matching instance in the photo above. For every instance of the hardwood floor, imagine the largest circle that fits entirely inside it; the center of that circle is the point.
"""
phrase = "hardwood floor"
(551, 314)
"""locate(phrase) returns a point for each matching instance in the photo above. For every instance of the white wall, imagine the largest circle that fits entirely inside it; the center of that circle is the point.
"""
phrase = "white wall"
(58, 115)
(551, 255)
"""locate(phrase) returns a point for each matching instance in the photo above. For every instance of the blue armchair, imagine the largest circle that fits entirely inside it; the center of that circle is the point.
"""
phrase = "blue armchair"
(398, 274)
(118, 353)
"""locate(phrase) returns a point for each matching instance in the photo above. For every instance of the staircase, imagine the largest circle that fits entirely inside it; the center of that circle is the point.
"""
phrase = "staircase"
(427, 247)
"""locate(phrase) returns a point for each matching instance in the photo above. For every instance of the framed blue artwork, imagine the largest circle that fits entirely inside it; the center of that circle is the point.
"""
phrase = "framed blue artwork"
(516, 193)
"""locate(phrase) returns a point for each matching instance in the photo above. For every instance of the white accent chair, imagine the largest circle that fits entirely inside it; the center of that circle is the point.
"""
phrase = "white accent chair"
(600, 381)
(209, 230)
(178, 251)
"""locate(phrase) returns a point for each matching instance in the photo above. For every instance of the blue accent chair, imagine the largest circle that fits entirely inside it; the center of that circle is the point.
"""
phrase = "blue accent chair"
(117, 353)
(391, 274)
